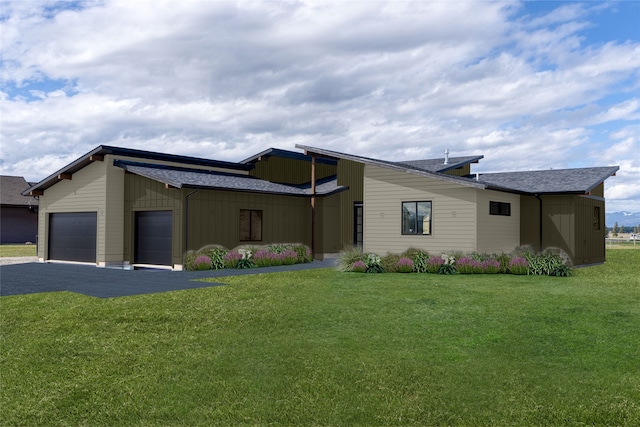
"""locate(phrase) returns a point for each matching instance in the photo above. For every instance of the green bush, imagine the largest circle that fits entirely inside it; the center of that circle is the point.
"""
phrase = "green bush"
(347, 257)
(389, 262)
(372, 262)
(420, 261)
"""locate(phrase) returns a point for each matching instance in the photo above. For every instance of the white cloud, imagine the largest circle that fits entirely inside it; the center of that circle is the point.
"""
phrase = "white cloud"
(382, 79)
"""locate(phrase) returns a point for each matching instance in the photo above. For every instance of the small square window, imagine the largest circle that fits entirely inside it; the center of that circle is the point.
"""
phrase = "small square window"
(250, 225)
(416, 218)
(500, 208)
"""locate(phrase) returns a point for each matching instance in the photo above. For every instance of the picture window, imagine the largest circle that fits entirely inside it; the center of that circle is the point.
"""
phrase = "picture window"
(416, 218)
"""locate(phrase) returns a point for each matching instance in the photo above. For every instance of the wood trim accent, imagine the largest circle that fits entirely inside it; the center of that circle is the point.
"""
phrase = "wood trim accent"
(36, 193)
(96, 158)
(64, 176)
(170, 187)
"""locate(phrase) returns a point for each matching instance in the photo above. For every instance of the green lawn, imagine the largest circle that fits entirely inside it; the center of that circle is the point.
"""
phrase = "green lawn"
(17, 250)
(328, 348)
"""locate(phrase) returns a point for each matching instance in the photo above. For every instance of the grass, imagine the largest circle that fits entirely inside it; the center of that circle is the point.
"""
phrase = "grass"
(327, 348)
(17, 250)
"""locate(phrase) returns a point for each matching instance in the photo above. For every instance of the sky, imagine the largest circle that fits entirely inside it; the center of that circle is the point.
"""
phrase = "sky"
(529, 85)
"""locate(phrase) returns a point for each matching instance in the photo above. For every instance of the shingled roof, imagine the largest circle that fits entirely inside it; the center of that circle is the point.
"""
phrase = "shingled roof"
(552, 181)
(439, 165)
(195, 178)
(11, 188)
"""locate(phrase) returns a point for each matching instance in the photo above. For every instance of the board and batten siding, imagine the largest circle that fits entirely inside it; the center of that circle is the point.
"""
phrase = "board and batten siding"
(454, 215)
(290, 171)
(214, 218)
(350, 174)
(497, 233)
(144, 194)
(84, 192)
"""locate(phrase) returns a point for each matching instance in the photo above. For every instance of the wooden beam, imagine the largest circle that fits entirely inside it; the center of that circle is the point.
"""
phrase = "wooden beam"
(96, 158)
(64, 176)
(313, 206)
(170, 187)
(36, 193)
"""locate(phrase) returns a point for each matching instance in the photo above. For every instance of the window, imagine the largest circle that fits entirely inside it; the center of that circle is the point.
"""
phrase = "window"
(500, 208)
(596, 218)
(416, 218)
(250, 225)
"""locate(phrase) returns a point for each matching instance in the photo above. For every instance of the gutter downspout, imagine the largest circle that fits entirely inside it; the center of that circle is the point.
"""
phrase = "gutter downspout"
(186, 220)
(537, 196)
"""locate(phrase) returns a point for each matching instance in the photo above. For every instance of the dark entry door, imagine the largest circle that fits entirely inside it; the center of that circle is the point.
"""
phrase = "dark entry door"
(153, 237)
(72, 236)
(358, 225)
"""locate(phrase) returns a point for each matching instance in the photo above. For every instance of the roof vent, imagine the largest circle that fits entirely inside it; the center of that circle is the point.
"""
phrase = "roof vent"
(446, 156)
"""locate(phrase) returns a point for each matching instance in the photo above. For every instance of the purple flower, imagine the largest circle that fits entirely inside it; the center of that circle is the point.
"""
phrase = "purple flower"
(359, 267)
(405, 265)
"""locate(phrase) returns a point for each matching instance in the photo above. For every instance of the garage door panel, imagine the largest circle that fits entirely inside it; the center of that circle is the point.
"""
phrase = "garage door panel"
(153, 237)
(72, 236)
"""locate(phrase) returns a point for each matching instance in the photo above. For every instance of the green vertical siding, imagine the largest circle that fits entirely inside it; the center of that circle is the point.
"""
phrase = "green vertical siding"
(350, 174)
(143, 194)
(461, 171)
(590, 240)
(213, 218)
(290, 171)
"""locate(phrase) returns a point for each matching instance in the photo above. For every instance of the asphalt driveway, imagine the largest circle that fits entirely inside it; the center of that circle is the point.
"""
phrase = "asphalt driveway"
(88, 280)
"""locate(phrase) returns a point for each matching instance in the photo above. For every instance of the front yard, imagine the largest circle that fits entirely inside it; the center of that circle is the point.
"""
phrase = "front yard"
(321, 347)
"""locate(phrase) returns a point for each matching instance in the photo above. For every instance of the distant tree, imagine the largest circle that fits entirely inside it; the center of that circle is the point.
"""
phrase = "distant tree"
(636, 229)
(614, 231)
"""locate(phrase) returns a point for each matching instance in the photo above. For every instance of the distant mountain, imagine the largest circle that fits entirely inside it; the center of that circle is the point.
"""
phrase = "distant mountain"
(622, 218)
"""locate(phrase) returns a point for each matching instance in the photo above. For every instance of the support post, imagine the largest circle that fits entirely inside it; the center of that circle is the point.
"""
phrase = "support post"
(313, 206)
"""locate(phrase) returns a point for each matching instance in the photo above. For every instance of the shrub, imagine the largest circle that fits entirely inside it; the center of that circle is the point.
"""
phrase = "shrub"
(491, 266)
(304, 253)
(420, 261)
(359, 267)
(372, 262)
(202, 262)
(231, 259)
(503, 259)
(289, 257)
(263, 258)
(561, 271)
(412, 252)
(347, 257)
(434, 264)
(189, 260)
(404, 265)
(447, 268)
(390, 262)
(519, 265)
(216, 255)
(467, 265)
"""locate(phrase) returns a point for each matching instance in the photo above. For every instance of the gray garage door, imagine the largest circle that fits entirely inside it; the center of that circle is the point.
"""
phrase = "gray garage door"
(153, 237)
(72, 236)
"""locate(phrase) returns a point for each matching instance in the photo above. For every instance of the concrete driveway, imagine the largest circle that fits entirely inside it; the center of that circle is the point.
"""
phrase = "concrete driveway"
(28, 278)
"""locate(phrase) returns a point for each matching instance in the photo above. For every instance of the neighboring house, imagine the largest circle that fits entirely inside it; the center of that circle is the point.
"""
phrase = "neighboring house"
(116, 206)
(18, 213)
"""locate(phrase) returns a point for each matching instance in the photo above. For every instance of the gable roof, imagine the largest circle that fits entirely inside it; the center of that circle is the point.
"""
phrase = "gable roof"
(552, 181)
(403, 166)
(201, 179)
(11, 188)
(286, 154)
(99, 152)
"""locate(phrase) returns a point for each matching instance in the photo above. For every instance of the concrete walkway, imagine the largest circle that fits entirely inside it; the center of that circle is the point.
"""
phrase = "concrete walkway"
(28, 278)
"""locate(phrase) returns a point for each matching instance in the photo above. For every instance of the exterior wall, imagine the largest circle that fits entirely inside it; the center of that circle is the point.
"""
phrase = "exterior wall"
(590, 239)
(289, 171)
(85, 192)
(350, 174)
(143, 194)
(18, 224)
(328, 226)
(214, 218)
(454, 213)
(530, 222)
(461, 171)
(497, 233)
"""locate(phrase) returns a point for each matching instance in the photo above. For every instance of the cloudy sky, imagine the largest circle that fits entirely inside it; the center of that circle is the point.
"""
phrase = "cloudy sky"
(530, 85)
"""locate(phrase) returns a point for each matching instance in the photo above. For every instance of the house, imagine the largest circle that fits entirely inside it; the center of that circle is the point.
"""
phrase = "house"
(438, 205)
(123, 207)
(18, 213)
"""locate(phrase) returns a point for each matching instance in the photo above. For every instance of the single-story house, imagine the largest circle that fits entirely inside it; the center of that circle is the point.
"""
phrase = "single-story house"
(18, 213)
(122, 207)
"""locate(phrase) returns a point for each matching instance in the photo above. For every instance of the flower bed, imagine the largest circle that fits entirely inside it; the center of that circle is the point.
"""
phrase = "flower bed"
(218, 257)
